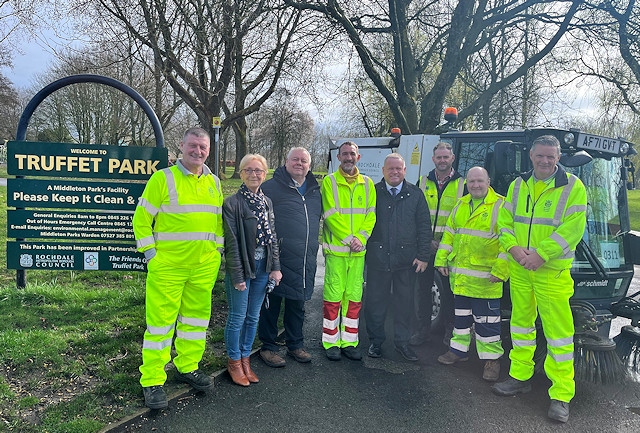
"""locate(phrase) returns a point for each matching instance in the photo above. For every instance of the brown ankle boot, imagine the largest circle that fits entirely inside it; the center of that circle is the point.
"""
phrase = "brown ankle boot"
(246, 367)
(237, 374)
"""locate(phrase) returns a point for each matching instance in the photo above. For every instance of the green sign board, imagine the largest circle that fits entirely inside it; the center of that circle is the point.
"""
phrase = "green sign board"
(74, 256)
(56, 193)
(27, 158)
(70, 225)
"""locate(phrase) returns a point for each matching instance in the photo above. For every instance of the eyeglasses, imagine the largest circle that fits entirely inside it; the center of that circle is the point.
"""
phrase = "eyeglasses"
(250, 171)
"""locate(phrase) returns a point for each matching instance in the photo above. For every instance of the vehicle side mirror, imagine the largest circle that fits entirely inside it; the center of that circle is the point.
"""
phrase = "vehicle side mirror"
(506, 159)
(577, 159)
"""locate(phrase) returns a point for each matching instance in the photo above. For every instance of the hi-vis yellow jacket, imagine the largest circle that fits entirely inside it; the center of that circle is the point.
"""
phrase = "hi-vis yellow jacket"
(440, 205)
(551, 223)
(471, 250)
(349, 210)
(178, 219)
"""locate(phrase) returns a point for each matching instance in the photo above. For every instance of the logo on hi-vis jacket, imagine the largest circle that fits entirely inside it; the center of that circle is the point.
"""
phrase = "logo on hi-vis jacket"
(547, 205)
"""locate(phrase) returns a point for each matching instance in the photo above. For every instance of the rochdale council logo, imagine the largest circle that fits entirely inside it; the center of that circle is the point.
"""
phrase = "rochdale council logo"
(26, 260)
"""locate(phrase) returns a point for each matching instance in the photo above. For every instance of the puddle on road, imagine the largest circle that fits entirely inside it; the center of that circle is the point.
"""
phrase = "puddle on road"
(388, 365)
(635, 410)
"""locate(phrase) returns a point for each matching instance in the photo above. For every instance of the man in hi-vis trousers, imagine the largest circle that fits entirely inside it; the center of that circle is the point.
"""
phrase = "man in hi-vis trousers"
(541, 223)
(349, 209)
(178, 226)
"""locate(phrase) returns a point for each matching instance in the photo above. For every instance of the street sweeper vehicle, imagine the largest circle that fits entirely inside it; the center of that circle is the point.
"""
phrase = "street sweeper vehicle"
(604, 263)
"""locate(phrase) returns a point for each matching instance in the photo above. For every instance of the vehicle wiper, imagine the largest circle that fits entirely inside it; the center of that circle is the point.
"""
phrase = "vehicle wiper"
(592, 259)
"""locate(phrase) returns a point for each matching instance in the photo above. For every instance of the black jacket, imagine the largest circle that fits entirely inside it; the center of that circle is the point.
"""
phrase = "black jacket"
(297, 225)
(403, 229)
(240, 227)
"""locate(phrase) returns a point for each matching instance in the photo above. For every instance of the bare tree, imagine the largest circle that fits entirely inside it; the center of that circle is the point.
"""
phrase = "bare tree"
(278, 126)
(414, 52)
(220, 57)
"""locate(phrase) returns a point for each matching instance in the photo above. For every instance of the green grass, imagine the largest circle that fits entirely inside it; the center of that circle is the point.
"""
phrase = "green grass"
(634, 209)
(70, 345)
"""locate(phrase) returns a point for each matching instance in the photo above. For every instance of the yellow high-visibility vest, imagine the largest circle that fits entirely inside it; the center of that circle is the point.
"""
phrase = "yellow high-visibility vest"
(349, 210)
(179, 217)
(551, 222)
(440, 205)
(471, 250)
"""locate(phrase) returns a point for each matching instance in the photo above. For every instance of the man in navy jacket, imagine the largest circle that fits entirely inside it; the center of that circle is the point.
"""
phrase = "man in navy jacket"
(398, 249)
(295, 194)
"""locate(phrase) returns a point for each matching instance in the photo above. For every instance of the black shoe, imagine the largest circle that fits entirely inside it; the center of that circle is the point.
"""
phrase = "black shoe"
(511, 387)
(352, 352)
(197, 379)
(559, 410)
(423, 335)
(333, 353)
(375, 351)
(407, 353)
(155, 397)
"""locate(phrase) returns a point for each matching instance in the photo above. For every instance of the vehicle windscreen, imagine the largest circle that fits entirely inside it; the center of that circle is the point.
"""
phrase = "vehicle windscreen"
(604, 184)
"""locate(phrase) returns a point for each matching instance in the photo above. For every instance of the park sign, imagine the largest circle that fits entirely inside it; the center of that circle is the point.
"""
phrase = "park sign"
(84, 160)
(94, 218)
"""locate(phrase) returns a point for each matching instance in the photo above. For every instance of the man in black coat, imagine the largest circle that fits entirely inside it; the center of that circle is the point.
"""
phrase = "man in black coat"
(397, 251)
(297, 205)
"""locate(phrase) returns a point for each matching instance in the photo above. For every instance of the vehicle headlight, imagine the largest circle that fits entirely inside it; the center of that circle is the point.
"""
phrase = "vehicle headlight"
(569, 138)
(624, 148)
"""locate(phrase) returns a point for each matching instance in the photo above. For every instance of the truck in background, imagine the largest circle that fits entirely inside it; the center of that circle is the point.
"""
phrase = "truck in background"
(603, 267)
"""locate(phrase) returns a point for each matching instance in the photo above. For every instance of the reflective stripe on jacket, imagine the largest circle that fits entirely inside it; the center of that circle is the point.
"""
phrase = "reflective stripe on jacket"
(349, 211)
(551, 224)
(441, 202)
(471, 250)
(179, 216)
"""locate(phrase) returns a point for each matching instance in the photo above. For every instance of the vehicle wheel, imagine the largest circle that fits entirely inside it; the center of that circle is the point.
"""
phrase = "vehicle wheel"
(438, 321)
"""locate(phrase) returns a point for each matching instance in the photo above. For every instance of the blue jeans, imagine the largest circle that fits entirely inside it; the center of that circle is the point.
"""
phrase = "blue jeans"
(244, 312)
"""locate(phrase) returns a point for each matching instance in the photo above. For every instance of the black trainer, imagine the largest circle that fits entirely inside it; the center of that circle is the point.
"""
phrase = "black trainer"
(407, 353)
(155, 397)
(197, 379)
(375, 351)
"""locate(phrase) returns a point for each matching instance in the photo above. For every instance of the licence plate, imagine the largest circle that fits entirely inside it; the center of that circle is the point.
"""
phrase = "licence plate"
(602, 144)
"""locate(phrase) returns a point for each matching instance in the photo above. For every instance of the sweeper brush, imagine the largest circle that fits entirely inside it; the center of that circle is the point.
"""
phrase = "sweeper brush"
(596, 360)
(628, 348)
(595, 357)
(628, 341)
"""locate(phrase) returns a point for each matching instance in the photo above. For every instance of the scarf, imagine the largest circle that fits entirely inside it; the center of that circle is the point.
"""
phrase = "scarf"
(258, 205)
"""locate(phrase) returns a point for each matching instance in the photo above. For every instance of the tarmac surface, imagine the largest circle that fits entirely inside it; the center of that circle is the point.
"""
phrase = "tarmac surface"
(387, 394)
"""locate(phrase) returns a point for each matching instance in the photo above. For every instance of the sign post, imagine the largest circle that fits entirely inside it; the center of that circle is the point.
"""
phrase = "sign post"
(216, 122)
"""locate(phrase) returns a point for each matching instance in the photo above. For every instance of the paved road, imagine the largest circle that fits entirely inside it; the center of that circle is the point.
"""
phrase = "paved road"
(383, 395)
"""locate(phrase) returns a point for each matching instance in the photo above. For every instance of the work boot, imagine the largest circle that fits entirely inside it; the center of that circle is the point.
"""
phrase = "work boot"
(352, 352)
(197, 379)
(272, 359)
(246, 367)
(559, 410)
(491, 371)
(237, 373)
(155, 397)
(333, 353)
(511, 387)
(299, 355)
(450, 358)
